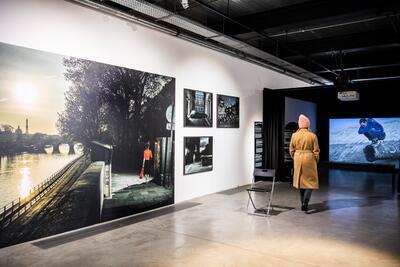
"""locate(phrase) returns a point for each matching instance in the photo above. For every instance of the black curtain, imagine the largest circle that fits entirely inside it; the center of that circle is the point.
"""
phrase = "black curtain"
(273, 117)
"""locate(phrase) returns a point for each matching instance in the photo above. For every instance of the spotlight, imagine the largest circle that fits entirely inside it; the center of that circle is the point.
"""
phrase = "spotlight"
(185, 3)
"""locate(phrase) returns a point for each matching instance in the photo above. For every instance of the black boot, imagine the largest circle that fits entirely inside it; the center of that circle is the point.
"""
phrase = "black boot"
(302, 198)
(304, 207)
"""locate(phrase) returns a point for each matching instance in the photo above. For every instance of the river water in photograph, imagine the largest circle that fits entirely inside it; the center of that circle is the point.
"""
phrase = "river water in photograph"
(20, 173)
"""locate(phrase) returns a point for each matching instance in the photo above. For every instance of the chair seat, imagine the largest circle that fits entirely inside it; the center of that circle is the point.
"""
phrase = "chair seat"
(262, 190)
(260, 186)
(266, 187)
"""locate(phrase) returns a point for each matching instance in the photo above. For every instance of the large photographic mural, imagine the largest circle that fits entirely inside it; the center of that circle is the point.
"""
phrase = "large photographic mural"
(81, 142)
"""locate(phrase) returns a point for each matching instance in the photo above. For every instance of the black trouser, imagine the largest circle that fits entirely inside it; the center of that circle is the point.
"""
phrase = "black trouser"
(305, 195)
(147, 167)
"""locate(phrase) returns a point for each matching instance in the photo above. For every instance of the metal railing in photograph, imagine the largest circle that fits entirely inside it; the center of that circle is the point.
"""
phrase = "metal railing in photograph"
(17, 207)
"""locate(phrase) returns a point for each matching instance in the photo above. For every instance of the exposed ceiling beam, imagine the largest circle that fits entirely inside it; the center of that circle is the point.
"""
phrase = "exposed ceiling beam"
(332, 26)
(362, 51)
(360, 65)
(352, 60)
(357, 68)
(312, 13)
(376, 79)
(161, 19)
(276, 42)
(311, 39)
(356, 42)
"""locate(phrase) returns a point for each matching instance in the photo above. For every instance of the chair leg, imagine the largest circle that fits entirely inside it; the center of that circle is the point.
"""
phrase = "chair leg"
(270, 197)
(251, 200)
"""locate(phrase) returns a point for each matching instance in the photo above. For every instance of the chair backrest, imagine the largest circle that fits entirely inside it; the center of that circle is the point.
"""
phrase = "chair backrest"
(263, 174)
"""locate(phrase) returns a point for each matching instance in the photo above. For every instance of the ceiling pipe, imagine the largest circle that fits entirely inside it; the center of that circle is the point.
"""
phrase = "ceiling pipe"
(183, 36)
(305, 29)
(364, 67)
(264, 35)
(376, 79)
(361, 49)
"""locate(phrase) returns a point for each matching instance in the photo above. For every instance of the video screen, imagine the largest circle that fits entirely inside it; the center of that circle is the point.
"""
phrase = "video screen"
(365, 140)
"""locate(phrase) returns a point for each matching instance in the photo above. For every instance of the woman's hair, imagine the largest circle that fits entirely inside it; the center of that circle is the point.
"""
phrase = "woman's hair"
(304, 122)
(147, 145)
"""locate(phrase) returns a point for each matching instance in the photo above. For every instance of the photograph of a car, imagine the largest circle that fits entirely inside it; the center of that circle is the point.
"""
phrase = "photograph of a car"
(197, 108)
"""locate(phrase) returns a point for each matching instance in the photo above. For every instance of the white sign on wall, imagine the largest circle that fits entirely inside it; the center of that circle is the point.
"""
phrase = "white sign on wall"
(348, 96)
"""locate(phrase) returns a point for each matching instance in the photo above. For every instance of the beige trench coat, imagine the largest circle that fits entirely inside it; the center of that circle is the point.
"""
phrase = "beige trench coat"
(304, 150)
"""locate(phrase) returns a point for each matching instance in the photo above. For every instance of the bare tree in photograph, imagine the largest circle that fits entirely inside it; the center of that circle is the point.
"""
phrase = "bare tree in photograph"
(84, 117)
(108, 103)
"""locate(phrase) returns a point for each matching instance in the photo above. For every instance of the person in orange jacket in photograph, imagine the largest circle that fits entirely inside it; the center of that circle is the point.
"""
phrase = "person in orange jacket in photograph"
(147, 156)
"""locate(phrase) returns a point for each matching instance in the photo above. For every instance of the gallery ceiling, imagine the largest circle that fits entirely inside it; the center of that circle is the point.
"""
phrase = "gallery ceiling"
(320, 41)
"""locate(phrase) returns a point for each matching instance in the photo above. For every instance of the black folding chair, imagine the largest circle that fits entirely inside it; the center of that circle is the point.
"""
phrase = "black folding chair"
(264, 185)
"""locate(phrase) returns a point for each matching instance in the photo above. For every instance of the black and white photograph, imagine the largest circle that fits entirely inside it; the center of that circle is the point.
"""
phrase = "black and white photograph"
(198, 108)
(227, 111)
(198, 154)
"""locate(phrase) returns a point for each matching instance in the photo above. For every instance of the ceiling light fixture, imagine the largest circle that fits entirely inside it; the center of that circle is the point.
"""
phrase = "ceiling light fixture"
(185, 3)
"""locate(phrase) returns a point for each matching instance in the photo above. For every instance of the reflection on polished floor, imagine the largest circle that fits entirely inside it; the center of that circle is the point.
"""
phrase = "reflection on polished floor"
(356, 222)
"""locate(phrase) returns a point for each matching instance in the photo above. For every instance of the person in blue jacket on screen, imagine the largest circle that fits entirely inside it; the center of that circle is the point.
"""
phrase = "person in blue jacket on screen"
(372, 130)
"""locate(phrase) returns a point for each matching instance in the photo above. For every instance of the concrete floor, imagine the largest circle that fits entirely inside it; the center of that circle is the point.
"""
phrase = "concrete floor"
(353, 224)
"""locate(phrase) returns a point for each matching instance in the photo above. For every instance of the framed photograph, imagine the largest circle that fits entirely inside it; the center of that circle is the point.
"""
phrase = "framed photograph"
(198, 108)
(198, 154)
(227, 111)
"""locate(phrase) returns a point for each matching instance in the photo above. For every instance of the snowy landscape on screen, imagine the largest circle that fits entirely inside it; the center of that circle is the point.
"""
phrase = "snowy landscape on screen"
(346, 145)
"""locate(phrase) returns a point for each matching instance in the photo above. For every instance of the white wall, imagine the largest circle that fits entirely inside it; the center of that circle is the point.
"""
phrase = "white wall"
(70, 29)
(295, 107)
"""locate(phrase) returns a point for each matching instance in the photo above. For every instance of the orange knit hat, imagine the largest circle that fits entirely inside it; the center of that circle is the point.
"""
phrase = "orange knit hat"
(304, 122)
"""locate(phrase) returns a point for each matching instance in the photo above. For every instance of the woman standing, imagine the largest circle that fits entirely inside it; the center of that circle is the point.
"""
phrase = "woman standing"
(304, 150)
